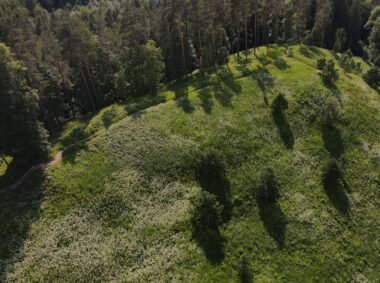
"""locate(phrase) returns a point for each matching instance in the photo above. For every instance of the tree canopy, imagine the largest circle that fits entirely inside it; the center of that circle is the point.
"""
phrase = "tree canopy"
(78, 56)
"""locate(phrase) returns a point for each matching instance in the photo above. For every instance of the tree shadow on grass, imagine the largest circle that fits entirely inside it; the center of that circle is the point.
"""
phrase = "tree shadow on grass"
(335, 187)
(19, 209)
(278, 106)
(305, 51)
(244, 70)
(244, 272)
(138, 104)
(273, 218)
(332, 140)
(226, 88)
(212, 243)
(232, 84)
(264, 78)
(281, 64)
(206, 100)
(182, 100)
(264, 60)
(15, 170)
(212, 178)
(315, 50)
(274, 221)
(223, 95)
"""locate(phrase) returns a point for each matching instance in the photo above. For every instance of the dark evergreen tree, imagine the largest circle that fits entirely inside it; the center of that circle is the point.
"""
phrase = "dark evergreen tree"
(21, 133)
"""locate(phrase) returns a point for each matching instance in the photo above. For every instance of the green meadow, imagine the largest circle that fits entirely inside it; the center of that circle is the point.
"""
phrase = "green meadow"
(119, 206)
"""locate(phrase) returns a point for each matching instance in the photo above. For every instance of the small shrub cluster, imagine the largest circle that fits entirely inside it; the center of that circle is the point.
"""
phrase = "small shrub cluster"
(206, 212)
(348, 64)
(372, 77)
(321, 63)
(279, 103)
(317, 105)
(328, 72)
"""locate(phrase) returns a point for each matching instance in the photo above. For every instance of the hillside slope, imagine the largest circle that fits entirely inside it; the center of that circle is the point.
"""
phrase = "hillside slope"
(119, 206)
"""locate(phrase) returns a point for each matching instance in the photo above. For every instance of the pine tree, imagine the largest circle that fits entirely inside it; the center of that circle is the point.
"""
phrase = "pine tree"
(340, 40)
(373, 25)
(22, 133)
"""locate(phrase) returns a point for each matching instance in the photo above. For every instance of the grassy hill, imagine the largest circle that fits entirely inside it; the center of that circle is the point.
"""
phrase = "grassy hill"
(119, 206)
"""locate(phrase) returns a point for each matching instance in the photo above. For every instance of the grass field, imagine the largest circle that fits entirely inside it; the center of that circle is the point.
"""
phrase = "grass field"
(118, 207)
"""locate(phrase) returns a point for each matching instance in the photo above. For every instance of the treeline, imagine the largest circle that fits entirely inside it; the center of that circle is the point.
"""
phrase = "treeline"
(77, 56)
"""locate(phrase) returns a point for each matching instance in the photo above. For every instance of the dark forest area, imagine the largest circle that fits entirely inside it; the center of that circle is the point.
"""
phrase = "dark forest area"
(65, 58)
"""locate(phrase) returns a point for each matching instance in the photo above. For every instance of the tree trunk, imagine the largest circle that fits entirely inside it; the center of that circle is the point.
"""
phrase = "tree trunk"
(267, 29)
(238, 40)
(246, 37)
(258, 33)
(5, 161)
(183, 53)
(200, 50)
(88, 90)
(255, 34)
(93, 86)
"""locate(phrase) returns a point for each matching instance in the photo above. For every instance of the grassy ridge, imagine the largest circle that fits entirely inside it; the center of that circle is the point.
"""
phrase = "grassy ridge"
(118, 207)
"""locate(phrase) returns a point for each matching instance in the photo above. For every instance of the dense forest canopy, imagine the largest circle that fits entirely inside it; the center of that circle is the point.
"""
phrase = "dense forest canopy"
(73, 57)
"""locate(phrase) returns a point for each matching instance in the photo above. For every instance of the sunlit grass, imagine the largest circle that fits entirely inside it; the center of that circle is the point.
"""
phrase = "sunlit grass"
(118, 206)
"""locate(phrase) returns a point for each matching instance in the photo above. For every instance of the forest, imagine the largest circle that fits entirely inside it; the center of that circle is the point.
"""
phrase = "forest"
(189, 141)
(64, 59)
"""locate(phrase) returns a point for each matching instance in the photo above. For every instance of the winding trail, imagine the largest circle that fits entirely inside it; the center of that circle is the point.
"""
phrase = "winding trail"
(42, 166)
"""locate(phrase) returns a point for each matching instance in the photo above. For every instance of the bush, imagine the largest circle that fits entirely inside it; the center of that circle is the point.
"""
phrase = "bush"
(372, 77)
(279, 104)
(206, 212)
(329, 112)
(348, 64)
(321, 63)
(317, 105)
(329, 74)
(268, 190)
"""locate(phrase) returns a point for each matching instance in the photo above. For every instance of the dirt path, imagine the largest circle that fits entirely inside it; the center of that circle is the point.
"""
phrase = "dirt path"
(42, 166)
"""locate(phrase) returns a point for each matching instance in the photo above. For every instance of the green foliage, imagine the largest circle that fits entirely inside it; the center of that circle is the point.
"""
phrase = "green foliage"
(348, 64)
(340, 40)
(329, 74)
(22, 134)
(321, 63)
(143, 71)
(372, 77)
(118, 207)
(319, 106)
(374, 38)
(206, 212)
(244, 272)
